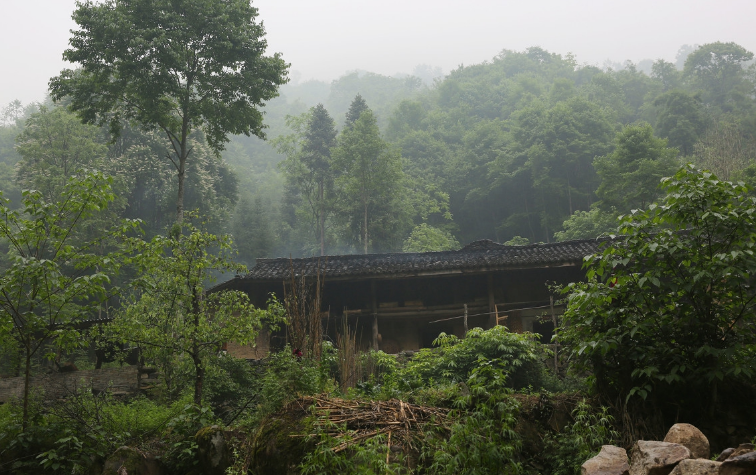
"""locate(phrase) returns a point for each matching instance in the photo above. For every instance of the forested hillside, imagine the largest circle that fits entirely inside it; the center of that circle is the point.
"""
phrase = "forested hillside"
(531, 146)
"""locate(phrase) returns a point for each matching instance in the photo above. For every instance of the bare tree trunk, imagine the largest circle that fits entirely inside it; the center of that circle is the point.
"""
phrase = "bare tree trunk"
(180, 197)
(321, 219)
(27, 376)
(365, 238)
(199, 378)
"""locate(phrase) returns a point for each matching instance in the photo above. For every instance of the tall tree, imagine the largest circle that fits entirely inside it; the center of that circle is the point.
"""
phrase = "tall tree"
(370, 177)
(680, 119)
(170, 315)
(308, 167)
(560, 144)
(251, 227)
(172, 66)
(356, 108)
(631, 174)
(666, 73)
(51, 286)
(54, 146)
(319, 138)
(717, 68)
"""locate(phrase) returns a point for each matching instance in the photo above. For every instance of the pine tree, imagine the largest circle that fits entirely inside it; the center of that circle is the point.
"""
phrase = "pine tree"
(319, 138)
(356, 108)
(371, 182)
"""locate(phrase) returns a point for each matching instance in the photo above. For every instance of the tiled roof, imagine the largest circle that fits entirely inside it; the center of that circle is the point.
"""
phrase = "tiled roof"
(479, 255)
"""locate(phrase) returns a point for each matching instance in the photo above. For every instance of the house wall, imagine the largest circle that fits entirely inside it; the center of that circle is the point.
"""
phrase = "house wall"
(409, 308)
(256, 350)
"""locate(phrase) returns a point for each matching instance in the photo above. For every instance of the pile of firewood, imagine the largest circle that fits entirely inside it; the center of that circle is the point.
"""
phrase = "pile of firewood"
(365, 419)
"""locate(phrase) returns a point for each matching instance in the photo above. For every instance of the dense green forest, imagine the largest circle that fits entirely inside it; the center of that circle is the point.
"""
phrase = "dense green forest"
(177, 152)
(530, 145)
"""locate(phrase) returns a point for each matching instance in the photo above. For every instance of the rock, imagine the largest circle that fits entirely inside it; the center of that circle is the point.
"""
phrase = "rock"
(696, 467)
(610, 461)
(212, 450)
(742, 449)
(741, 465)
(692, 438)
(656, 458)
(131, 461)
(725, 453)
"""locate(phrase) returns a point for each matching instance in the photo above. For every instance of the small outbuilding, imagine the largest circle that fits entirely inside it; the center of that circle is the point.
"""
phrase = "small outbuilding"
(402, 301)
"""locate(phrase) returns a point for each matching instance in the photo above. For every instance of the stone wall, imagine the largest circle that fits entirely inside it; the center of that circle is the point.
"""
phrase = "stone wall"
(252, 351)
(119, 381)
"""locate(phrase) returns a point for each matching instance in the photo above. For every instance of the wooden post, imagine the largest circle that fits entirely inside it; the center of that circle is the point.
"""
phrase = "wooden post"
(496, 313)
(374, 307)
(556, 344)
(491, 303)
(465, 320)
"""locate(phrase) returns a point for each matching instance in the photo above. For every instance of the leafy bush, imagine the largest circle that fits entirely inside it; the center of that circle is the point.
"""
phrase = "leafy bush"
(71, 435)
(566, 451)
(368, 457)
(668, 310)
(230, 385)
(519, 355)
(482, 440)
(379, 375)
(286, 377)
(181, 455)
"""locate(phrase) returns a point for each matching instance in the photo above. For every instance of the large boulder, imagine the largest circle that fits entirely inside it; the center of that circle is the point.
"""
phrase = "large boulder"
(131, 461)
(610, 461)
(744, 464)
(656, 458)
(696, 467)
(692, 438)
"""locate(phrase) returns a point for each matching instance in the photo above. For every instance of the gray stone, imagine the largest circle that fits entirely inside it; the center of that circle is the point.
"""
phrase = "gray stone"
(742, 449)
(741, 465)
(725, 453)
(213, 450)
(696, 467)
(656, 458)
(610, 461)
(692, 438)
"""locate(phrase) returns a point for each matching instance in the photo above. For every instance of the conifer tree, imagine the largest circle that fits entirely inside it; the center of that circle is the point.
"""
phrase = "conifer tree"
(356, 108)
(371, 180)
(319, 138)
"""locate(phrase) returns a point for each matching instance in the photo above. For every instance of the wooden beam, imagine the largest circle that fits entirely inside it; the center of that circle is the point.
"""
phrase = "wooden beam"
(465, 322)
(491, 302)
(374, 308)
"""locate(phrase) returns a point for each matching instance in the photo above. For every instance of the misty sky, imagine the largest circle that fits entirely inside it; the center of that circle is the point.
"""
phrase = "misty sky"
(324, 39)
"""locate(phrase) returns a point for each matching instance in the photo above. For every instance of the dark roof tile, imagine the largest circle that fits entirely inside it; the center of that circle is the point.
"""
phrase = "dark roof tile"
(479, 254)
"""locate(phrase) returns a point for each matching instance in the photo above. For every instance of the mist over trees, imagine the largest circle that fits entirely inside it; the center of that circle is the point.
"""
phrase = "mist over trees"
(530, 145)
(178, 152)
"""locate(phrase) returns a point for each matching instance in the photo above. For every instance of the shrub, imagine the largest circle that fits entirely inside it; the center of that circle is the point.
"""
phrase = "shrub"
(668, 310)
(230, 385)
(286, 377)
(519, 356)
(482, 440)
(566, 451)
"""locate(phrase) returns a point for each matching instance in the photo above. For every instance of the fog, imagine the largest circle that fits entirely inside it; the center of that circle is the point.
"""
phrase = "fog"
(323, 40)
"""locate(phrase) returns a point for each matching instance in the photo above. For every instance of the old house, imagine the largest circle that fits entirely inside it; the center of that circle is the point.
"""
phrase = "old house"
(402, 301)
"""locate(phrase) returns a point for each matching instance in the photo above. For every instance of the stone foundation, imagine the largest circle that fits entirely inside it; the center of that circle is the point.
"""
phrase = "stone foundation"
(119, 381)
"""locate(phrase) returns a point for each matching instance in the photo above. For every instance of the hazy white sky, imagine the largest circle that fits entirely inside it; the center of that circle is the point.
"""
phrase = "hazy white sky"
(322, 39)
